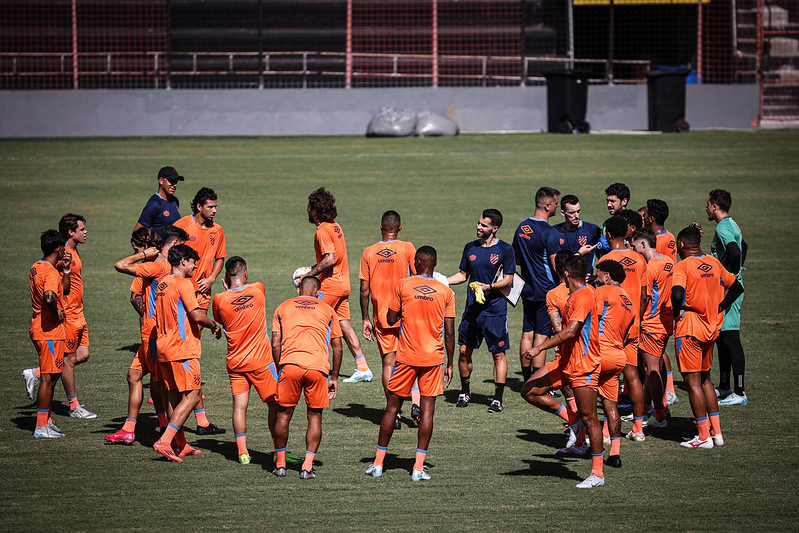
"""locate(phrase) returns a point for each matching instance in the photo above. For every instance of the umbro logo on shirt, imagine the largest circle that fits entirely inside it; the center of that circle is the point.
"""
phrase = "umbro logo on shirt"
(307, 302)
(527, 230)
(704, 267)
(627, 261)
(668, 266)
(241, 300)
(386, 252)
(424, 289)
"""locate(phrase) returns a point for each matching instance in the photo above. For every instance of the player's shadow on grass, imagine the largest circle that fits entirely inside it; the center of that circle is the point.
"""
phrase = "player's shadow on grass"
(27, 414)
(553, 440)
(147, 428)
(554, 467)
(676, 431)
(514, 384)
(230, 452)
(394, 462)
(129, 348)
(359, 410)
(451, 396)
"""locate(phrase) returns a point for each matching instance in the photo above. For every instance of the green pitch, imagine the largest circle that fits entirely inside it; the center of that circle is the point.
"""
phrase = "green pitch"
(490, 471)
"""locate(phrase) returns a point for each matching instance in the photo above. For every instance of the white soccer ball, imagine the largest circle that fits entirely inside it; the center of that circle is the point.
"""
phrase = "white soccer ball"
(441, 278)
(299, 274)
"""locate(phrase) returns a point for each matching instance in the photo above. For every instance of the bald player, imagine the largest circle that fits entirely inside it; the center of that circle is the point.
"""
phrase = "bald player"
(304, 329)
(382, 265)
(427, 310)
(698, 300)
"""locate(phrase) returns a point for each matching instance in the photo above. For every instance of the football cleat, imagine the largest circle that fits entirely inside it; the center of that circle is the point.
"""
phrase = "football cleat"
(188, 450)
(360, 376)
(718, 440)
(696, 443)
(722, 393)
(46, 432)
(574, 450)
(167, 451)
(671, 398)
(31, 381)
(463, 400)
(121, 437)
(419, 475)
(210, 429)
(279, 472)
(636, 436)
(244, 458)
(495, 407)
(613, 461)
(307, 474)
(374, 471)
(574, 432)
(653, 422)
(81, 412)
(591, 482)
(734, 399)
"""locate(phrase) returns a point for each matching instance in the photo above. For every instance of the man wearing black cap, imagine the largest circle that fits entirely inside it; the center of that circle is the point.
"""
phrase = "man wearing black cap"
(162, 207)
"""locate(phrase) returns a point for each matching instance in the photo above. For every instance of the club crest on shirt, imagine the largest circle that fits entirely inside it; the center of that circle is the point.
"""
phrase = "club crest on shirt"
(494, 259)
(583, 240)
(166, 212)
(472, 257)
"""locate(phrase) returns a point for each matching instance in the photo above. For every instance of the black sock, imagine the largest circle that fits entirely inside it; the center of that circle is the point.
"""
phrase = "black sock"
(526, 372)
(465, 382)
(725, 364)
(732, 341)
(499, 389)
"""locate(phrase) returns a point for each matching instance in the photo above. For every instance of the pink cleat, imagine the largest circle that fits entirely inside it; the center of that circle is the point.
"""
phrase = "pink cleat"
(167, 451)
(188, 450)
(121, 437)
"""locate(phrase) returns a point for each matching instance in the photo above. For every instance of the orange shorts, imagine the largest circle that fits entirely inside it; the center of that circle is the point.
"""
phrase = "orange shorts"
(51, 356)
(430, 380)
(340, 304)
(203, 299)
(559, 377)
(387, 339)
(264, 380)
(608, 386)
(144, 360)
(76, 334)
(653, 343)
(693, 355)
(293, 380)
(631, 351)
(182, 375)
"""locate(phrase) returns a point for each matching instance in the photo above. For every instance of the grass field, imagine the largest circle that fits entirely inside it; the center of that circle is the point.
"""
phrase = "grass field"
(490, 472)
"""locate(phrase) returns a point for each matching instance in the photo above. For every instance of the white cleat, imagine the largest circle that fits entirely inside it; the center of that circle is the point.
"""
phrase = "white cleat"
(574, 432)
(637, 436)
(374, 471)
(718, 440)
(81, 412)
(591, 482)
(360, 376)
(696, 443)
(46, 432)
(734, 399)
(420, 475)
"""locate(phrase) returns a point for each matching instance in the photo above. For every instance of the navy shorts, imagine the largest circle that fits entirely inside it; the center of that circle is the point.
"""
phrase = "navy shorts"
(494, 329)
(536, 318)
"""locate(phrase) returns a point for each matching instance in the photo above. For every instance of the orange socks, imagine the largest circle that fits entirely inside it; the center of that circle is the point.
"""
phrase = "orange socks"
(281, 458)
(130, 425)
(360, 363)
(201, 419)
(572, 404)
(73, 402)
(596, 464)
(715, 424)
(38, 372)
(241, 442)
(307, 464)
(420, 457)
(563, 413)
(169, 434)
(42, 417)
(638, 424)
(669, 382)
(704, 428)
(615, 445)
(380, 455)
(416, 396)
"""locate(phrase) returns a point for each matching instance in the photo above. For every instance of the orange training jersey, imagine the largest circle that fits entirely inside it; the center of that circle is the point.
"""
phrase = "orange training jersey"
(45, 277)
(658, 316)
(704, 281)
(209, 243)
(667, 245)
(424, 303)
(306, 326)
(329, 239)
(615, 318)
(178, 336)
(145, 283)
(242, 313)
(73, 302)
(580, 354)
(556, 300)
(634, 266)
(382, 265)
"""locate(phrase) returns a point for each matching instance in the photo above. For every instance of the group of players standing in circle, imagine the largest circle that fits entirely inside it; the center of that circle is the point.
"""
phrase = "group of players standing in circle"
(621, 327)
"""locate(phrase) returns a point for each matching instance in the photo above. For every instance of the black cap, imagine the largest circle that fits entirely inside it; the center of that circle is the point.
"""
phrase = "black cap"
(170, 173)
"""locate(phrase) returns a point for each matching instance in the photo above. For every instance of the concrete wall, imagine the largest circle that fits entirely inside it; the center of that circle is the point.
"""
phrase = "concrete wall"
(340, 111)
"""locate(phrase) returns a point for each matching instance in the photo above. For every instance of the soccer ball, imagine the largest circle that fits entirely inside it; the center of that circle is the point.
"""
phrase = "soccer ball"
(441, 278)
(299, 274)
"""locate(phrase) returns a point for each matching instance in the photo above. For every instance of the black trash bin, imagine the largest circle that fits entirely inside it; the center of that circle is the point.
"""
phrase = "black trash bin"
(666, 99)
(567, 100)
